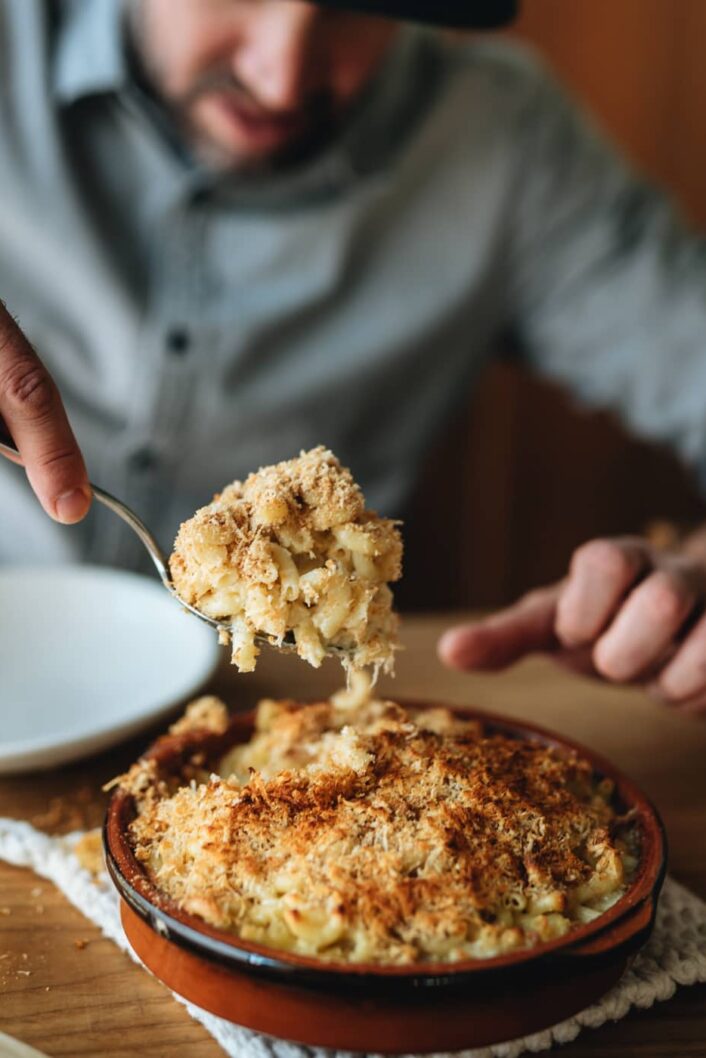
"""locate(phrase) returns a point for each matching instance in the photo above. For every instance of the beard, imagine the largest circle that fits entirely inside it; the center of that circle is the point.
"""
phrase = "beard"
(316, 123)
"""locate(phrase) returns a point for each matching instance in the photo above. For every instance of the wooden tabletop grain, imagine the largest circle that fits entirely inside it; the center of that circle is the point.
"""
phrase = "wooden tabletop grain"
(67, 991)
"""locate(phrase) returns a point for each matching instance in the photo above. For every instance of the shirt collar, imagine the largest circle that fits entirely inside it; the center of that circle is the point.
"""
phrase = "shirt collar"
(90, 56)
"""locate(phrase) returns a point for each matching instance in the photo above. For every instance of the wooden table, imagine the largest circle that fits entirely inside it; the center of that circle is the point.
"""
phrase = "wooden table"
(68, 991)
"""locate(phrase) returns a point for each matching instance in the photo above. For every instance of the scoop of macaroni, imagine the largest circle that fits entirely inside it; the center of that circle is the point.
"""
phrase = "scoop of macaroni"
(372, 833)
(294, 552)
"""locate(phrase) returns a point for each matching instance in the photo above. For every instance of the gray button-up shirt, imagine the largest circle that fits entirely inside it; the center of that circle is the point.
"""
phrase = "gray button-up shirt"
(199, 325)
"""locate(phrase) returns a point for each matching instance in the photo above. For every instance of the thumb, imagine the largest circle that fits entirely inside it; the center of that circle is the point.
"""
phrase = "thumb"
(34, 415)
(495, 642)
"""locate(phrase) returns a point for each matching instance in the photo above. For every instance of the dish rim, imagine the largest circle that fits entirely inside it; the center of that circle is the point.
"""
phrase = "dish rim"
(622, 925)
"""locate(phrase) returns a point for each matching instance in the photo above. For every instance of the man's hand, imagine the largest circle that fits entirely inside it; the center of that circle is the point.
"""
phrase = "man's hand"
(31, 408)
(625, 612)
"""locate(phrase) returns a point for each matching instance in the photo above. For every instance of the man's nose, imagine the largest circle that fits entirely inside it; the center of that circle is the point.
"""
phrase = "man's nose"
(277, 60)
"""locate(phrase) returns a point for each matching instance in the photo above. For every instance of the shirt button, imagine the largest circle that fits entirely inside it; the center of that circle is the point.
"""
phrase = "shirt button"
(178, 341)
(142, 460)
(200, 196)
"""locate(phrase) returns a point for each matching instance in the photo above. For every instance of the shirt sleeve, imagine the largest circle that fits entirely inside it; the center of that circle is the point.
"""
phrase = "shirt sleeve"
(607, 286)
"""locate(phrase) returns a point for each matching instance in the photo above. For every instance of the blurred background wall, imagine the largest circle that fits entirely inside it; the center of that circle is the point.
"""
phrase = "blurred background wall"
(537, 475)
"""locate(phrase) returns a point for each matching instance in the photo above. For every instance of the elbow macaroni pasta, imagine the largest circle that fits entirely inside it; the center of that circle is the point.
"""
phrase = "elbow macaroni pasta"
(294, 551)
(357, 831)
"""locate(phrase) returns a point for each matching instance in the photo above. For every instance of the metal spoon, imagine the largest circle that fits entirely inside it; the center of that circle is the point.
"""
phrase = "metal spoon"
(139, 527)
(160, 560)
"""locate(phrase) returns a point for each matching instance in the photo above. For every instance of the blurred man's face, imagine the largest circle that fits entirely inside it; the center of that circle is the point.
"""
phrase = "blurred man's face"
(257, 81)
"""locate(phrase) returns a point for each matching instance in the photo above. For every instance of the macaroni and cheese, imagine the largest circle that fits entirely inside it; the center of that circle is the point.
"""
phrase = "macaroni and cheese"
(293, 551)
(370, 833)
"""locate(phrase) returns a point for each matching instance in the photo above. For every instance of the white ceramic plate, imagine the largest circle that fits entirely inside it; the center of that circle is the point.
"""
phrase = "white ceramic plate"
(12, 1048)
(88, 656)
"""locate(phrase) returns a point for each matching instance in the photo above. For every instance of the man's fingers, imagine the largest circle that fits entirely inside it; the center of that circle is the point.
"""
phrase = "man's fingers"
(601, 573)
(694, 706)
(605, 620)
(32, 410)
(578, 660)
(651, 617)
(685, 675)
(497, 641)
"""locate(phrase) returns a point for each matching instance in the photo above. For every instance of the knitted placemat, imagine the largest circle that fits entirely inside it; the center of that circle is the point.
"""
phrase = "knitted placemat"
(675, 954)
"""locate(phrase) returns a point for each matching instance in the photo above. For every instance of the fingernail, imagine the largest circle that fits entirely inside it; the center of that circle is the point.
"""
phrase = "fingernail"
(458, 649)
(71, 506)
(447, 643)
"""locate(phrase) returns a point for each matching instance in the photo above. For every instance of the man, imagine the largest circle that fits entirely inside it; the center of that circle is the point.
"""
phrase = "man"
(235, 228)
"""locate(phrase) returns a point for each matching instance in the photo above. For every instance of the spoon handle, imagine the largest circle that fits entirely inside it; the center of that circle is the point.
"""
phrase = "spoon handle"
(124, 512)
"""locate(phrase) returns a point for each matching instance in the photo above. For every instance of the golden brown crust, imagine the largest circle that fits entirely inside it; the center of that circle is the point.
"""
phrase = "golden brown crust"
(377, 835)
(203, 714)
(314, 490)
(293, 549)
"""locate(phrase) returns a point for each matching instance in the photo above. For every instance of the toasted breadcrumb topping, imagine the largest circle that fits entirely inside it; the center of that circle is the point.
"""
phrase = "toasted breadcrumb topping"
(88, 850)
(204, 714)
(379, 834)
(293, 550)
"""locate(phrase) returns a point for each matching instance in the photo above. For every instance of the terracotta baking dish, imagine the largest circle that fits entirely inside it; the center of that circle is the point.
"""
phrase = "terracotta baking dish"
(418, 1008)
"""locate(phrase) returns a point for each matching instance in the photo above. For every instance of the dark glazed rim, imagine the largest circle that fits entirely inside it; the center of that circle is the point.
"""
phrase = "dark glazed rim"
(623, 928)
